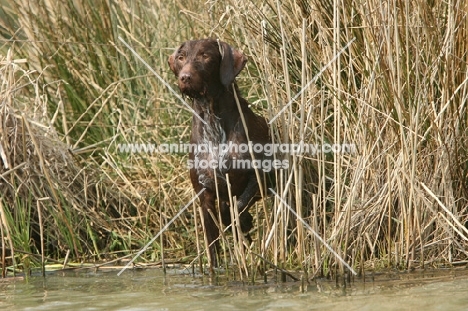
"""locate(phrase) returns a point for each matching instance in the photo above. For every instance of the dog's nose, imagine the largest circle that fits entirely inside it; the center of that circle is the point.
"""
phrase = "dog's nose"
(185, 77)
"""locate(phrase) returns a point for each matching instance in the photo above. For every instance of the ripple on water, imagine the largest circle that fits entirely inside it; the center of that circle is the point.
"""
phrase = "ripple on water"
(151, 290)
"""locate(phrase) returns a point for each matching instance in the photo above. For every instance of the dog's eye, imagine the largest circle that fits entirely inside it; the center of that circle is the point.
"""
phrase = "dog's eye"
(181, 57)
(205, 56)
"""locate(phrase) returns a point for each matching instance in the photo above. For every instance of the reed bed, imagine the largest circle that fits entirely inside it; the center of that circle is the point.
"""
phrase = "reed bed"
(387, 77)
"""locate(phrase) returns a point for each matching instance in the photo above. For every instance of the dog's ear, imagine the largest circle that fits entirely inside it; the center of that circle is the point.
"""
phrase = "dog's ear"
(171, 60)
(232, 62)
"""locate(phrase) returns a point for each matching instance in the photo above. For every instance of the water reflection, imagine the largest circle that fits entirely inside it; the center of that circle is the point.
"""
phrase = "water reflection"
(151, 290)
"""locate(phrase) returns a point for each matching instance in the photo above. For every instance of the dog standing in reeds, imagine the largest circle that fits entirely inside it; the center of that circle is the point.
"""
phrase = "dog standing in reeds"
(206, 71)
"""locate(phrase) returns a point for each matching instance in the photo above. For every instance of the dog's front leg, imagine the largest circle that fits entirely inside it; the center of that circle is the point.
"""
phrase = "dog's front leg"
(211, 229)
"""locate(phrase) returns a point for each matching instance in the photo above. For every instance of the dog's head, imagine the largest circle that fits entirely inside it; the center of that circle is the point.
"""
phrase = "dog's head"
(202, 67)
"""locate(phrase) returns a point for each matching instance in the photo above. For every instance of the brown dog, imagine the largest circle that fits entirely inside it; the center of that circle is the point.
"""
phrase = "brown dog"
(206, 71)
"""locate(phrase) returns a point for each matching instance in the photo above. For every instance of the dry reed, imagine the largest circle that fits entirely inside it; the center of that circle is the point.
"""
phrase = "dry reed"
(398, 93)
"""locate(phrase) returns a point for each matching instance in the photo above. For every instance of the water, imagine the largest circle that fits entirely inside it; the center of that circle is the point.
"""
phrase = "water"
(150, 290)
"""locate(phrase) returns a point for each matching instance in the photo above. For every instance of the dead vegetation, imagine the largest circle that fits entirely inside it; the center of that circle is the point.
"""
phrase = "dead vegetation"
(71, 94)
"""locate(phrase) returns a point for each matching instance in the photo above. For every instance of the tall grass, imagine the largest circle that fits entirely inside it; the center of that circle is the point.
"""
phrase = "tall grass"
(398, 92)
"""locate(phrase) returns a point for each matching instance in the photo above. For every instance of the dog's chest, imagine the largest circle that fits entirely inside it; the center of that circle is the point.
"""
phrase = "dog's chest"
(211, 159)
